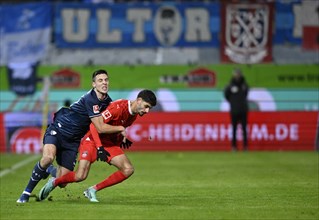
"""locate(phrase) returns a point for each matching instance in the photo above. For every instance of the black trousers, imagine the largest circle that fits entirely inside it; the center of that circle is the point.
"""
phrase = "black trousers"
(239, 118)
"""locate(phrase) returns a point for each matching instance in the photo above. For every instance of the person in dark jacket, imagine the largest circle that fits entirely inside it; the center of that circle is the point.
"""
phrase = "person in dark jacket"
(236, 94)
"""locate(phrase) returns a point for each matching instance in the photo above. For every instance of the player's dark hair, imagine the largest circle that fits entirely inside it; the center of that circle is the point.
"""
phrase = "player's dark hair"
(98, 72)
(147, 96)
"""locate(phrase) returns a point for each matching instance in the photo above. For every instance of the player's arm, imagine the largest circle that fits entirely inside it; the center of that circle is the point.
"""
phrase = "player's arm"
(101, 153)
(102, 122)
(102, 127)
(95, 136)
(98, 120)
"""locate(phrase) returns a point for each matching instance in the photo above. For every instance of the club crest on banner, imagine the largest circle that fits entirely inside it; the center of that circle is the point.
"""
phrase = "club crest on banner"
(247, 33)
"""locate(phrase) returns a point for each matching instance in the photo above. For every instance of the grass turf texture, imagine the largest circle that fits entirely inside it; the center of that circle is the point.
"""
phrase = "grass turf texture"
(180, 185)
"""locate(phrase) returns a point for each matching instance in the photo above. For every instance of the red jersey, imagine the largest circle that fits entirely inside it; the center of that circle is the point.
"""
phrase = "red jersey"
(117, 113)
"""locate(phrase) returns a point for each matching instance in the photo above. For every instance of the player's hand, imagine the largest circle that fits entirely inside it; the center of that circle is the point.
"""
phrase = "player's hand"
(102, 154)
(126, 143)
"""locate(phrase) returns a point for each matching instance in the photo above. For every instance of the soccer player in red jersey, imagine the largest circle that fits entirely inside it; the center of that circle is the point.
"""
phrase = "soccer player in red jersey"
(106, 147)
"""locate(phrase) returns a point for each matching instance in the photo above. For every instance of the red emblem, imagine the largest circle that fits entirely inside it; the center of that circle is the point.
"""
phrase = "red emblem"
(26, 140)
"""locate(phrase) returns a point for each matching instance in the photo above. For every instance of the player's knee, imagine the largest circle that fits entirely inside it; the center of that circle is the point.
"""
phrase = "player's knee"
(80, 177)
(128, 171)
(46, 161)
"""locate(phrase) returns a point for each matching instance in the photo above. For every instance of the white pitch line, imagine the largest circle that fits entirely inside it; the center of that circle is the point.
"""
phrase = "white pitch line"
(18, 165)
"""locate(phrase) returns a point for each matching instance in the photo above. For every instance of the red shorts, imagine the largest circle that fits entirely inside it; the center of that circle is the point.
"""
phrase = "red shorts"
(87, 151)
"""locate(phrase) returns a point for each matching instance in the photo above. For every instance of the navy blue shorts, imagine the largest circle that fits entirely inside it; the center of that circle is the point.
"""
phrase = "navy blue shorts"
(67, 150)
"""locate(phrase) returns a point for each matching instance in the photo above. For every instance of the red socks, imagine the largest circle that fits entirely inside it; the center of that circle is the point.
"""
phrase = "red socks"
(113, 179)
(67, 178)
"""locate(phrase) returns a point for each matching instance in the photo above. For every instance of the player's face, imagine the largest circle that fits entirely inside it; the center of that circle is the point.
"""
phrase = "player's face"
(143, 107)
(101, 83)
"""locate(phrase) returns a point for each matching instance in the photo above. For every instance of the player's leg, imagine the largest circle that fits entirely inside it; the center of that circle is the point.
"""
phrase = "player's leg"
(66, 160)
(69, 177)
(87, 155)
(244, 128)
(39, 171)
(65, 171)
(61, 170)
(51, 170)
(74, 176)
(234, 121)
(125, 170)
(123, 164)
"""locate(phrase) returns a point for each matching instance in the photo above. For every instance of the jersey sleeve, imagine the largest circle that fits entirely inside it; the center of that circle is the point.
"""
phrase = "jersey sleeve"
(92, 106)
(95, 136)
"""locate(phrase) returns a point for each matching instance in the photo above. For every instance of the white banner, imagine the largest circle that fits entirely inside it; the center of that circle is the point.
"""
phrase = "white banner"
(25, 31)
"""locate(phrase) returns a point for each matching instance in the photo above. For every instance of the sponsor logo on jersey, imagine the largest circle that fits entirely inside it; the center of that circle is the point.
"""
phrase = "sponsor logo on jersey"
(96, 109)
(106, 114)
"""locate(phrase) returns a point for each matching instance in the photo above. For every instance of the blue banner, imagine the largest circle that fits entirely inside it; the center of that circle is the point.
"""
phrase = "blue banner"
(25, 29)
(137, 25)
(25, 32)
(285, 22)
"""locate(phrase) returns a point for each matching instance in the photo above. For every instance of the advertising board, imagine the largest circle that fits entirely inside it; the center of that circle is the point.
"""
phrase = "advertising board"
(212, 131)
(190, 131)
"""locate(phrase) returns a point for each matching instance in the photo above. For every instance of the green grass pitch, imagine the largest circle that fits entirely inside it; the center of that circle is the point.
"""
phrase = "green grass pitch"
(179, 185)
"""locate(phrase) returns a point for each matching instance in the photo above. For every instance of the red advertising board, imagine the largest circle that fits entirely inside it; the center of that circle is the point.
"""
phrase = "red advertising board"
(212, 131)
(201, 77)
(22, 131)
(66, 78)
(246, 32)
(197, 131)
(26, 140)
